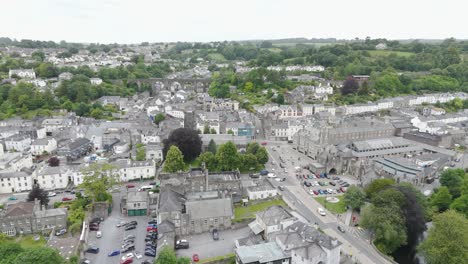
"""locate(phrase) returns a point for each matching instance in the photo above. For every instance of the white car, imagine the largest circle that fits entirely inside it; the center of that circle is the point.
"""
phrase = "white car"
(51, 194)
(330, 191)
(98, 234)
(321, 211)
(278, 179)
(271, 175)
(127, 256)
(138, 255)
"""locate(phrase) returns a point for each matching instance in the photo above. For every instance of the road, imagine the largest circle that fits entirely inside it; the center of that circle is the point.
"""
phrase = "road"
(355, 242)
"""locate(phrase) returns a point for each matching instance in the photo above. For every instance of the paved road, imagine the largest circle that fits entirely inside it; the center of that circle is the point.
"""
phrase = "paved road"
(354, 241)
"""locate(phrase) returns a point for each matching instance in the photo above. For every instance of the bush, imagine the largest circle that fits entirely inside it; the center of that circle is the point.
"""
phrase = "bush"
(75, 228)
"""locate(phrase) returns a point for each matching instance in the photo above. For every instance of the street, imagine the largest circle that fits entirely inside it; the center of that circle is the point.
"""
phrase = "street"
(355, 241)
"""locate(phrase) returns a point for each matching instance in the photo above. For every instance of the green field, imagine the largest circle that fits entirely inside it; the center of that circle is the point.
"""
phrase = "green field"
(248, 212)
(29, 242)
(375, 53)
(337, 208)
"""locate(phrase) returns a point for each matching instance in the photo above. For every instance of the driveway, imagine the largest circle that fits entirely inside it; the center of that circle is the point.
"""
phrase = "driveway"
(206, 247)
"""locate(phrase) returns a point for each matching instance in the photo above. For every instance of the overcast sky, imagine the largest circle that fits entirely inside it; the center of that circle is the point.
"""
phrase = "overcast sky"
(134, 21)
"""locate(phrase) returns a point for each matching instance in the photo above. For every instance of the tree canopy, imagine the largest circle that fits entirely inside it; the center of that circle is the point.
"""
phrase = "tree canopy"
(38, 193)
(174, 160)
(187, 140)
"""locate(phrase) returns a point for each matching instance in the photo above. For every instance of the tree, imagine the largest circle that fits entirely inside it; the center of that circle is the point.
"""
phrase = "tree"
(47, 70)
(39, 255)
(230, 132)
(453, 180)
(227, 157)
(354, 197)
(9, 250)
(209, 159)
(262, 155)
(174, 160)
(387, 225)
(350, 86)
(211, 146)
(447, 240)
(141, 153)
(206, 129)
(249, 161)
(213, 131)
(98, 178)
(377, 185)
(252, 148)
(53, 162)
(159, 118)
(38, 55)
(166, 256)
(461, 204)
(187, 140)
(38, 193)
(280, 99)
(442, 199)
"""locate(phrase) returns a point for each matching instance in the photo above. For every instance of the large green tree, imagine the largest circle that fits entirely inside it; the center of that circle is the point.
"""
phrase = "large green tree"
(212, 146)
(377, 185)
(209, 160)
(441, 199)
(262, 155)
(227, 157)
(354, 197)
(174, 160)
(453, 180)
(97, 179)
(461, 204)
(447, 241)
(166, 256)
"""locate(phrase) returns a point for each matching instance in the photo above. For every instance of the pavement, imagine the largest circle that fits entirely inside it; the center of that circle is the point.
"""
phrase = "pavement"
(206, 247)
(65, 244)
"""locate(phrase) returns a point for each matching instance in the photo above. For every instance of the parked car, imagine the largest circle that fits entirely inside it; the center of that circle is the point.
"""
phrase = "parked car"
(129, 237)
(51, 194)
(128, 249)
(132, 223)
(215, 234)
(264, 143)
(182, 244)
(332, 183)
(315, 192)
(130, 227)
(343, 189)
(150, 253)
(151, 228)
(64, 199)
(281, 188)
(138, 255)
(308, 184)
(114, 253)
(130, 186)
(94, 227)
(195, 258)
(126, 261)
(263, 172)
(99, 234)
(341, 229)
(336, 178)
(121, 224)
(61, 232)
(93, 250)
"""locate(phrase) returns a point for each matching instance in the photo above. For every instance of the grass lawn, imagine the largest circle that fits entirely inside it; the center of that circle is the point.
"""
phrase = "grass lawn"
(29, 242)
(388, 52)
(337, 208)
(248, 212)
(219, 258)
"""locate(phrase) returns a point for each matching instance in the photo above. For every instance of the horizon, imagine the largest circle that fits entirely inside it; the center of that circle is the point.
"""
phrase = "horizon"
(124, 22)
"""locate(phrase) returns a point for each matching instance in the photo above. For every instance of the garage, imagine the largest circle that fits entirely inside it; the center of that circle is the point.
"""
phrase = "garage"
(137, 212)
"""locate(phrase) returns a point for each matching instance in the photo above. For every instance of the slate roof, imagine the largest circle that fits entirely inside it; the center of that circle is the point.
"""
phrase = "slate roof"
(209, 208)
(20, 208)
(261, 253)
(273, 215)
(170, 201)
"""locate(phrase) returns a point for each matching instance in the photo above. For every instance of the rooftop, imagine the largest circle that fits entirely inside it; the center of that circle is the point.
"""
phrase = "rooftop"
(261, 253)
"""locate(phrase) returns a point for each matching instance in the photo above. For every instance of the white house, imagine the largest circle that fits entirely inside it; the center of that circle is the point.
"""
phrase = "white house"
(176, 113)
(22, 73)
(11, 182)
(51, 178)
(39, 146)
(262, 192)
(154, 152)
(95, 81)
(18, 143)
(134, 170)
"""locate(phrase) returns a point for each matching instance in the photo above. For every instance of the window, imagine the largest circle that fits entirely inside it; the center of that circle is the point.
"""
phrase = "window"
(19, 184)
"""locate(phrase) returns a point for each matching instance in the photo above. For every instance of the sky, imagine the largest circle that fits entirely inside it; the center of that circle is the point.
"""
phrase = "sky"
(135, 21)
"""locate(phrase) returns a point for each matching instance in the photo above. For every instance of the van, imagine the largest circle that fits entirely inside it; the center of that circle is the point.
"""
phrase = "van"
(98, 234)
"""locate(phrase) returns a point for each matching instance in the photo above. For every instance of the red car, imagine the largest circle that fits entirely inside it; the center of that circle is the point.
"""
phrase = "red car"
(316, 193)
(127, 261)
(64, 199)
(263, 143)
(130, 186)
(195, 258)
(152, 229)
(304, 176)
(343, 189)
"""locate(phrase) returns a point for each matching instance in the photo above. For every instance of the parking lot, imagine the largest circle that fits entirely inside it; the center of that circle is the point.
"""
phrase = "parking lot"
(112, 236)
(206, 247)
